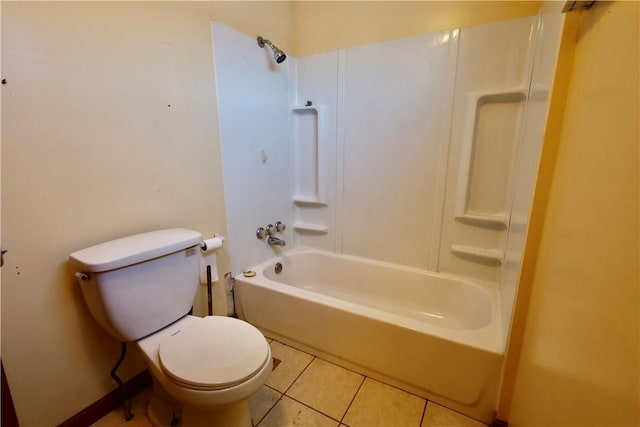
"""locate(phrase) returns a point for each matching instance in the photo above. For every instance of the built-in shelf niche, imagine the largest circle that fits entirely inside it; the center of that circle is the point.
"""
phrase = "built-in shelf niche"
(309, 156)
(310, 168)
(489, 144)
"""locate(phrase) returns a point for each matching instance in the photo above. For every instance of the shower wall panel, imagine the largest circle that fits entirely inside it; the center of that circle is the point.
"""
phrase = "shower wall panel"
(544, 64)
(492, 79)
(395, 107)
(313, 144)
(253, 109)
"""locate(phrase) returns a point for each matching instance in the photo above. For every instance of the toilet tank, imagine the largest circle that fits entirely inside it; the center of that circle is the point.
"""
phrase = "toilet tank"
(139, 284)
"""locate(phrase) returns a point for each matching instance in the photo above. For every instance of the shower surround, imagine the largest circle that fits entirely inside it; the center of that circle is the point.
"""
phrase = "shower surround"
(419, 153)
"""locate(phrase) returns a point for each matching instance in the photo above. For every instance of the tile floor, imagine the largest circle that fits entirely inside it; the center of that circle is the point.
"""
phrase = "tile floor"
(304, 390)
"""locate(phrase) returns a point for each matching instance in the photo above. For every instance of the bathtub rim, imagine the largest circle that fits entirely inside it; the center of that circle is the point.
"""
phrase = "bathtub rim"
(487, 338)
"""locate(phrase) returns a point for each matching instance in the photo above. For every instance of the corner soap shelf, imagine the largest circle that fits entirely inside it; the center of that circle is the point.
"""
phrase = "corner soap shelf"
(481, 253)
(482, 219)
(308, 201)
(311, 228)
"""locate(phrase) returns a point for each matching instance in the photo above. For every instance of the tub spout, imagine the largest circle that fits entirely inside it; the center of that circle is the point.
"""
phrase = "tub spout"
(274, 241)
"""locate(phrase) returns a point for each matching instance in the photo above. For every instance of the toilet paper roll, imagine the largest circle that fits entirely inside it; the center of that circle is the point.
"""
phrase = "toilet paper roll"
(212, 244)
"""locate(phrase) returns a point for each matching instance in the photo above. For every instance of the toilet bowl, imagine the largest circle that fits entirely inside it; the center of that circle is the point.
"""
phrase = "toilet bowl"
(211, 365)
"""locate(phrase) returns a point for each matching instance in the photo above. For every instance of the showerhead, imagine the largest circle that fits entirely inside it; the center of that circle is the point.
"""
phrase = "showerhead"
(278, 55)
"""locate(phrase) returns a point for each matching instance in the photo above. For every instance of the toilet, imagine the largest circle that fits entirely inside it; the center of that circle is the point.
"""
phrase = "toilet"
(140, 289)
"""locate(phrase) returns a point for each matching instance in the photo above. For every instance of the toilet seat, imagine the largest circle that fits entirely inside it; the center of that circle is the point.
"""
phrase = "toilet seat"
(214, 353)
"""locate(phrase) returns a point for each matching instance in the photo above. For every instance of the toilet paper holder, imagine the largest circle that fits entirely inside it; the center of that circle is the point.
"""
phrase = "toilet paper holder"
(213, 243)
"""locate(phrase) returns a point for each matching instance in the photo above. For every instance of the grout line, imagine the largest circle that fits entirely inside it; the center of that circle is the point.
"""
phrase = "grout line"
(424, 411)
(353, 398)
(299, 375)
(311, 407)
(303, 369)
(272, 406)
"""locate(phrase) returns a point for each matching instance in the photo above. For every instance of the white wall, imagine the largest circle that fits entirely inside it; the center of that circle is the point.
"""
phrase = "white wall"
(253, 110)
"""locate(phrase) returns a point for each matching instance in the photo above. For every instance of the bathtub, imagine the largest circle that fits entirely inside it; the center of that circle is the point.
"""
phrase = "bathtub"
(435, 335)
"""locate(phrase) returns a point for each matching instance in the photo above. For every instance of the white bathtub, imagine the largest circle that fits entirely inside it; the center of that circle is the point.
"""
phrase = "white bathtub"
(435, 335)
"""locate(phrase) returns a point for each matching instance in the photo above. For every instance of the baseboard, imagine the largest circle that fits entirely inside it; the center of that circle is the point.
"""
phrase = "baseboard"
(108, 403)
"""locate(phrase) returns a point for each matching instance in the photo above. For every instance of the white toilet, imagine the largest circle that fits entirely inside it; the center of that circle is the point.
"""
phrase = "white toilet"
(140, 288)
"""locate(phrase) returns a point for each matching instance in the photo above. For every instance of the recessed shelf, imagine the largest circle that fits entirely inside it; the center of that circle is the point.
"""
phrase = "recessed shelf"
(308, 158)
(482, 186)
(311, 228)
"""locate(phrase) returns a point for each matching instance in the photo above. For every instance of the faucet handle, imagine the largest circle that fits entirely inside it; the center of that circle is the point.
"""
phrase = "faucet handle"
(261, 233)
(280, 227)
(271, 229)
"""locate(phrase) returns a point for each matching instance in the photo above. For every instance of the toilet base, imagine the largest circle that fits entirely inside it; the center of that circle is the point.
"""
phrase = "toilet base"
(234, 414)
(162, 414)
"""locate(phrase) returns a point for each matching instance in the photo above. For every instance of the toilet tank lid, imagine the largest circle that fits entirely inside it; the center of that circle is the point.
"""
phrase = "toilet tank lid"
(133, 249)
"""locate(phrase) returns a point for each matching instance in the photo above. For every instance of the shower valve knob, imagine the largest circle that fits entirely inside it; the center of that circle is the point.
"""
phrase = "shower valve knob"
(280, 227)
(261, 233)
(271, 229)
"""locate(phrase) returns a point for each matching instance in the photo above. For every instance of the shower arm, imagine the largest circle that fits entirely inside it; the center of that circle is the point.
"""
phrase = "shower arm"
(262, 41)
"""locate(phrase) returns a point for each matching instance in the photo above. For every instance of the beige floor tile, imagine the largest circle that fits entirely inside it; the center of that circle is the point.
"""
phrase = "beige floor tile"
(293, 363)
(439, 416)
(326, 387)
(261, 402)
(378, 405)
(289, 413)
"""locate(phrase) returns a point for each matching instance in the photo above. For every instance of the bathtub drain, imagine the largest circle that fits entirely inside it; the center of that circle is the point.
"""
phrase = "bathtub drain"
(278, 268)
